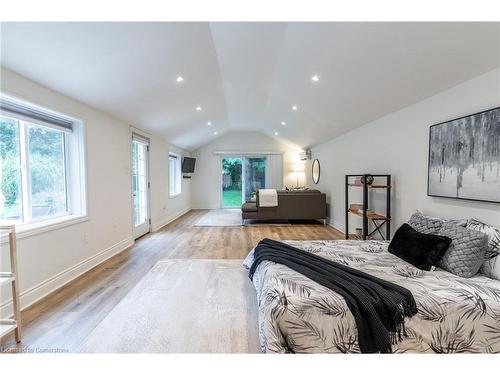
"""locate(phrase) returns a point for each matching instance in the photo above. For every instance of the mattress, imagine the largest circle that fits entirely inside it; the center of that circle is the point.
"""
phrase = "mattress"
(297, 315)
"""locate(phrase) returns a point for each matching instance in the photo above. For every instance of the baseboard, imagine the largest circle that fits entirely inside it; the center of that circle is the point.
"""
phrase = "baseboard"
(157, 226)
(333, 225)
(205, 208)
(41, 290)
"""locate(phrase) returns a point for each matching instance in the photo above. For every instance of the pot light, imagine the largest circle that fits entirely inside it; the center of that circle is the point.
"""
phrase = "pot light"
(275, 133)
(315, 78)
(215, 133)
(179, 79)
(198, 108)
(283, 123)
(294, 108)
(209, 123)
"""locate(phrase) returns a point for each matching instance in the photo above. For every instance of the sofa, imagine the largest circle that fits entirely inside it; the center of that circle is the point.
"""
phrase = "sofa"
(292, 205)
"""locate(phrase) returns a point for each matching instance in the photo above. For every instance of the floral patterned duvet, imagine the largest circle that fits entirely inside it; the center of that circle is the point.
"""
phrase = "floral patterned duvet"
(455, 315)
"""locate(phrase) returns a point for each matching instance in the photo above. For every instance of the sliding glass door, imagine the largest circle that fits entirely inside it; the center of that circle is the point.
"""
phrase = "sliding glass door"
(242, 176)
(232, 182)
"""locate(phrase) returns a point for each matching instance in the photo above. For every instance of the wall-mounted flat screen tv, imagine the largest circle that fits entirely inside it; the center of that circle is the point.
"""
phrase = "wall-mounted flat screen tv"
(188, 165)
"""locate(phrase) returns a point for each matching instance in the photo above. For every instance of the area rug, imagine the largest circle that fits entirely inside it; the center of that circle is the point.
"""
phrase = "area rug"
(223, 217)
(183, 306)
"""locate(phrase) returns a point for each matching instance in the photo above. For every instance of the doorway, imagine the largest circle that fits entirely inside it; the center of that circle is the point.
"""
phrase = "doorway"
(242, 176)
(140, 185)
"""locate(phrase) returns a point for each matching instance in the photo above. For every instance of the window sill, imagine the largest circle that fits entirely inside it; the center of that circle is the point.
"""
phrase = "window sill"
(174, 195)
(32, 229)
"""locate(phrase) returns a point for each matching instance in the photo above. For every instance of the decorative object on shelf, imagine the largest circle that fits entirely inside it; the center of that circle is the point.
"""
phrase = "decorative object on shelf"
(464, 158)
(316, 171)
(369, 215)
(356, 206)
(11, 277)
(368, 178)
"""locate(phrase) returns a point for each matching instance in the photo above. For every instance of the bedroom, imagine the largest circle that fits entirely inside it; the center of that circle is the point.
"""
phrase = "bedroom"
(148, 169)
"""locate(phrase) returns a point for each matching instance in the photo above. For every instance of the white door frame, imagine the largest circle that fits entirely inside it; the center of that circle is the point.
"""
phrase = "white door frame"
(144, 228)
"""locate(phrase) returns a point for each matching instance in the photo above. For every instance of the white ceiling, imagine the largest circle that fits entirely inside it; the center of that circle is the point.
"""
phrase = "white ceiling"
(247, 76)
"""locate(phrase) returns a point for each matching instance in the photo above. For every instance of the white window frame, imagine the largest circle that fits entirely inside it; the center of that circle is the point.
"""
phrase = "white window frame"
(75, 174)
(178, 174)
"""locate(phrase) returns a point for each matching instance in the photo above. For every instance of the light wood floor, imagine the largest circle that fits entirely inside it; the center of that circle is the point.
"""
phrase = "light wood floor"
(64, 319)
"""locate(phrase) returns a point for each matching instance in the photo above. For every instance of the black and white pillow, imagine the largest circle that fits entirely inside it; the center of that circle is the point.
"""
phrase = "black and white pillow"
(491, 265)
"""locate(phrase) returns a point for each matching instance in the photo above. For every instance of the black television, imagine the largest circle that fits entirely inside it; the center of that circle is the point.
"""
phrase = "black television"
(188, 165)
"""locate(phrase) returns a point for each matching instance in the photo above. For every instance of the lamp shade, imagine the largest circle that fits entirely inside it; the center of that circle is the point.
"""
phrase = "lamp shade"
(298, 167)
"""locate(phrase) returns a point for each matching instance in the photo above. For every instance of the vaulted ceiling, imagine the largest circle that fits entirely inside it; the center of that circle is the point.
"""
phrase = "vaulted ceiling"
(247, 76)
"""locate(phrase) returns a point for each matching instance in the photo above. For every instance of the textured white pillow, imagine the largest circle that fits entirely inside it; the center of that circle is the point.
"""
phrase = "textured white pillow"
(491, 265)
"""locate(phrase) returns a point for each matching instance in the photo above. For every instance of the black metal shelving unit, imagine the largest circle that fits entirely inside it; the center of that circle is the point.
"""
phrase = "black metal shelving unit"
(378, 220)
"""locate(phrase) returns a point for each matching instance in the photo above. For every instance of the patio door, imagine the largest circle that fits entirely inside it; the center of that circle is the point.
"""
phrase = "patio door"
(140, 185)
(242, 176)
(232, 182)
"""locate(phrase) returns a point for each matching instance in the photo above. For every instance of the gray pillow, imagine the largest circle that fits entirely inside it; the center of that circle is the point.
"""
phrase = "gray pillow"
(431, 225)
(425, 224)
(465, 255)
(491, 265)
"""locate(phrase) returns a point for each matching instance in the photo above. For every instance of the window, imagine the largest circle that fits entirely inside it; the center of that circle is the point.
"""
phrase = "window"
(174, 174)
(41, 166)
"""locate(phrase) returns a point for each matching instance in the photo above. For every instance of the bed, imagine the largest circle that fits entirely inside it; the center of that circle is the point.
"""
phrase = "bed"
(297, 315)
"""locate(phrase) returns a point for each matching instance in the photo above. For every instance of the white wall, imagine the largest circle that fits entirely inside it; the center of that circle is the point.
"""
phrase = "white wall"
(164, 209)
(48, 260)
(397, 144)
(206, 182)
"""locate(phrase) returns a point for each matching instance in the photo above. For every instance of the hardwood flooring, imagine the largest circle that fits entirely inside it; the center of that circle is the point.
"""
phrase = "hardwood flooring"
(63, 320)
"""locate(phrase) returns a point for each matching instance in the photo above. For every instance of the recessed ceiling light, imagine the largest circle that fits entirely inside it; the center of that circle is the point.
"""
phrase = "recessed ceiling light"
(209, 123)
(295, 108)
(275, 133)
(283, 123)
(215, 133)
(198, 108)
(179, 79)
(315, 78)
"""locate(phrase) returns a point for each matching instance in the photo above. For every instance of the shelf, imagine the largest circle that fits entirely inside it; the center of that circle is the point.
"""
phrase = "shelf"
(371, 216)
(374, 186)
(6, 328)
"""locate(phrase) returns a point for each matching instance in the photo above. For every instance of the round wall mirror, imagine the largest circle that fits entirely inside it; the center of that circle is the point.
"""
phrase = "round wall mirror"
(315, 171)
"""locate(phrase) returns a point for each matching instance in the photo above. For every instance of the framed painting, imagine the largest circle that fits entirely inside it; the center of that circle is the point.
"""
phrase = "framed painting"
(464, 158)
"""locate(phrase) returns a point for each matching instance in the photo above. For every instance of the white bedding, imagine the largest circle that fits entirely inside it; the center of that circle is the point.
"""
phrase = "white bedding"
(296, 314)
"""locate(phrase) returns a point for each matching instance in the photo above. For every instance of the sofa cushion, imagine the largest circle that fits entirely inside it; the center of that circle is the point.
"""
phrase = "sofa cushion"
(249, 207)
(465, 255)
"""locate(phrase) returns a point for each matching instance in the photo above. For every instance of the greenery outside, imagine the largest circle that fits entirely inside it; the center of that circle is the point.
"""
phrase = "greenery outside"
(46, 166)
(231, 198)
(231, 183)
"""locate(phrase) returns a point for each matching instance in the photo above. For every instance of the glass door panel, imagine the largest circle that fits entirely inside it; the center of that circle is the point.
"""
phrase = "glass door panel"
(140, 187)
(255, 176)
(232, 182)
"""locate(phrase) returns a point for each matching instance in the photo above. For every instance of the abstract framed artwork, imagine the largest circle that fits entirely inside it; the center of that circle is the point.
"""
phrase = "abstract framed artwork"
(464, 158)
